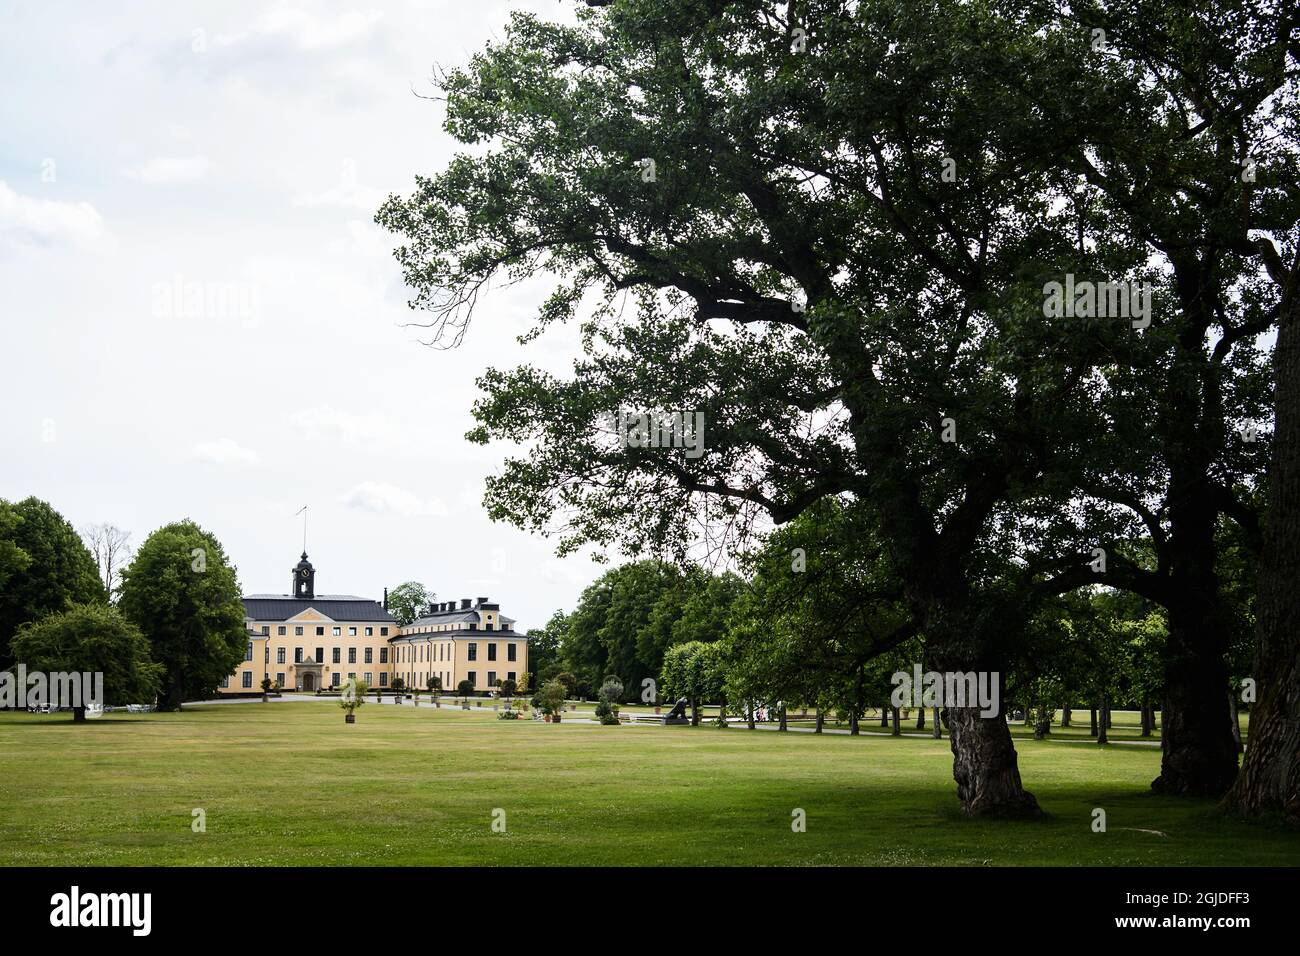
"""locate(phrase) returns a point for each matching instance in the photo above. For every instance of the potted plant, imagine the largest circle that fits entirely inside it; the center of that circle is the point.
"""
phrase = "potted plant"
(550, 700)
(266, 688)
(610, 693)
(353, 696)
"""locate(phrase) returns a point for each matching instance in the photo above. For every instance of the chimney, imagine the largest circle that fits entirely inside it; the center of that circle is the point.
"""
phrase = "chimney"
(482, 601)
(385, 603)
(464, 604)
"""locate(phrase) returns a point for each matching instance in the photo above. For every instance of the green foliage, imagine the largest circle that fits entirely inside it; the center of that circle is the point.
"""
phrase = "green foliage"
(550, 698)
(464, 688)
(45, 567)
(181, 592)
(408, 601)
(695, 670)
(94, 638)
(353, 695)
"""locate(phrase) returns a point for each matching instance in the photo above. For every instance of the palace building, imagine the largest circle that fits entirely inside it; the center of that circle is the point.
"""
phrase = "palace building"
(305, 641)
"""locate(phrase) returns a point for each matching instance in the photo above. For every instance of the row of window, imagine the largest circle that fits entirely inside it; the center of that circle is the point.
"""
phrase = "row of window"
(282, 630)
(439, 628)
(421, 653)
(417, 678)
(247, 679)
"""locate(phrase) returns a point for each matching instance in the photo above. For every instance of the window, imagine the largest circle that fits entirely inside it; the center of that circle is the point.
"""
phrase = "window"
(383, 678)
(383, 632)
(370, 656)
(473, 651)
(334, 679)
(297, 631)
(370, 632)
(248, 654)
(473, 627)
(383, 655)
(352, 655)
(225, 682)
(282, 630)
(337, 654)
(512, 651)
(297, 655)
(472, 677)
(320, 631)
(351, 676)
(279, 678)
(510, 675)
(352, 632)
(492, 652)
(337, 631)
(320, 655)
(266, 630)
(487, 626)
(492, 678)
(266, 654)
(248, 678)
(368, 675)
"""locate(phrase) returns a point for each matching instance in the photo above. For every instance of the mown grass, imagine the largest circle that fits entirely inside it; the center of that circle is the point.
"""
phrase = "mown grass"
(290, 783)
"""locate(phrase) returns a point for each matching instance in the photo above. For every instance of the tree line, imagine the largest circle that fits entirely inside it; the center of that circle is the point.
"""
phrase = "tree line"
(167, 626)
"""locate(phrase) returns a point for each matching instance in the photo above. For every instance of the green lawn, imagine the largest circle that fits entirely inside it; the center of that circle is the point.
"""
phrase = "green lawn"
(291, 783)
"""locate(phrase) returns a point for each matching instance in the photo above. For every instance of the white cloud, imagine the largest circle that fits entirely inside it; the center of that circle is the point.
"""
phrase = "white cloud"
(343, 426)
(170, 170)
(305, 30)
(25, 219)
(381, 496)
(224, 451)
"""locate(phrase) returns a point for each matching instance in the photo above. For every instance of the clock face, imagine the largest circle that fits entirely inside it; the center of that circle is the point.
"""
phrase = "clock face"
(305, 572)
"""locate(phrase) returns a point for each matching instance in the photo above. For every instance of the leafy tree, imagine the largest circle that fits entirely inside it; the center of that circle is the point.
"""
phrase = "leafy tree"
(44, 568)
(695, 671)
(508, 688)
(92, 638)
(181, 592)
(353, 696)
(611, 692)
(544, 646)
(408, 601)
(848, 326)
(434, 684)
(465, 688)
(550, 699)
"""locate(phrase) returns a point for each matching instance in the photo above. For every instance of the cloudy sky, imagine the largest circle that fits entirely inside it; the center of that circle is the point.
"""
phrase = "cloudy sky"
(200, 318)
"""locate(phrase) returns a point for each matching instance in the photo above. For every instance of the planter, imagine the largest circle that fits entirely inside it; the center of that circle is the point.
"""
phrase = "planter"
(556, 720)
(547, 718)
(350, 719)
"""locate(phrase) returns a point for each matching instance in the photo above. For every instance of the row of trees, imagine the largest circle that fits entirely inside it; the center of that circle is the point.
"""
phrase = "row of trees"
(169, 625)
(830, 229)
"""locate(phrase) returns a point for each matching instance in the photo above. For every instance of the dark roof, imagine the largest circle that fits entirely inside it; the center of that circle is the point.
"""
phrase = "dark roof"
(446, 617)
(337, 607)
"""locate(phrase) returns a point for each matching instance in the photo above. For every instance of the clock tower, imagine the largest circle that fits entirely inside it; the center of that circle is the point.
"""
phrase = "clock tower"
(304, 579)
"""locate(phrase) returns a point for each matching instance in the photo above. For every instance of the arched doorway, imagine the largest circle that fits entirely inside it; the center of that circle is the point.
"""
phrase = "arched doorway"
(309, 681)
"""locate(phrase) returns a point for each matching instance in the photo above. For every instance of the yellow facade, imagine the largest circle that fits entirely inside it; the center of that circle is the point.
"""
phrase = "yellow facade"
(306, 642)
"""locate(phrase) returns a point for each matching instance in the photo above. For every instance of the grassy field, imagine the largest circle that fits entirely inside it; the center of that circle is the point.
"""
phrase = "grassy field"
(291, 783)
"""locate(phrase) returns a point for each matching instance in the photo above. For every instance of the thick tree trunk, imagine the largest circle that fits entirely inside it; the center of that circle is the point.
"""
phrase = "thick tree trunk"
(1234, 722)
(78, 715)
(1102, 710)
(695, 712)
(936, 725)
(1109, 723)
(897, 730)
(780, 718)
(749, 716)
(985, 766)
(821, 721)
(1065, 716)
(884, 716)
(1269, 783)
(1092, 712)
(853, 723)
(920, 718)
